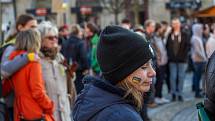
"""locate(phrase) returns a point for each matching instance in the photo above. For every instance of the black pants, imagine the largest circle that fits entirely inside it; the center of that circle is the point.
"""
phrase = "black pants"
(160, 75)
(167, 77)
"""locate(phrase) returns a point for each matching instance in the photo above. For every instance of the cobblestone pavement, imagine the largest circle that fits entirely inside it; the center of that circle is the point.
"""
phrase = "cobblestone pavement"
(177, 111)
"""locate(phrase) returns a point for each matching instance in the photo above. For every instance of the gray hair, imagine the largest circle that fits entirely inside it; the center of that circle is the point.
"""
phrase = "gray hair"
(28, 40)
(46, 27)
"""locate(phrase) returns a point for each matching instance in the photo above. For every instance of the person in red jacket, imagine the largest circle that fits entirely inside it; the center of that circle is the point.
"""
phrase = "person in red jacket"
(31, 101)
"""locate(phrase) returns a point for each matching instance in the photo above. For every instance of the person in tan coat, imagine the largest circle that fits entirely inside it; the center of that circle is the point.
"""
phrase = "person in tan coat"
(54, 72)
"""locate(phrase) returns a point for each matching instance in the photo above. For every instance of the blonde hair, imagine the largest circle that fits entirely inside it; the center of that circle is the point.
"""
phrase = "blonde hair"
(75, 29)
(28, 40)
(137, 96)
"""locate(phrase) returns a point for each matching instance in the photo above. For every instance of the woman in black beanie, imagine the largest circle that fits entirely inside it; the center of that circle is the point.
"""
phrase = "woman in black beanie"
(125, 61)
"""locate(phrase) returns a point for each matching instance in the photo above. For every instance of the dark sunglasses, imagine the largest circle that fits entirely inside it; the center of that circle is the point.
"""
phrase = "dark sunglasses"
(52, 37)
(33, 27)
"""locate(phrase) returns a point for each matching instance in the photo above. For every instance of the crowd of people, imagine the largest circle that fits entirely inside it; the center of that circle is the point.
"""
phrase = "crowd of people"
(44, 67)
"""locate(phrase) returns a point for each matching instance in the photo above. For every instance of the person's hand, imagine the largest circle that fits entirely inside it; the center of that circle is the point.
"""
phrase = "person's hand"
(85, 72)
(33, 57)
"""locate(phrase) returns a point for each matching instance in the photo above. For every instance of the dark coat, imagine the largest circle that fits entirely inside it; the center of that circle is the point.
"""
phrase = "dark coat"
(210, 85)
(184, 48)
(74, 50)
(101, 101)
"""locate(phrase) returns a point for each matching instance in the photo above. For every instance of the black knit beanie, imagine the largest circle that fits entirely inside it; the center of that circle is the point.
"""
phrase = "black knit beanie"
(120, 52)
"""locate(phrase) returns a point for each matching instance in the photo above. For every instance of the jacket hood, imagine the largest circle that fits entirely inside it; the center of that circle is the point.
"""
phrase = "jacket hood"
(197, 30)
(96, 95)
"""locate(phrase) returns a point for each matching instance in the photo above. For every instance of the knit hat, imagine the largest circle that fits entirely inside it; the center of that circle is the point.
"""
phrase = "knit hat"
(120, 52)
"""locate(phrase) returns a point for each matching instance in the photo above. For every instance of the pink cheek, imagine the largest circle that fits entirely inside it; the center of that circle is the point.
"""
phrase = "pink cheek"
(50, 44)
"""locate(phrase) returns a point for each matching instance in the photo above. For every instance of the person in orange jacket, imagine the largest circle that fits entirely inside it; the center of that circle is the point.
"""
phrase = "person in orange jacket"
(57, 77)
(31, 101)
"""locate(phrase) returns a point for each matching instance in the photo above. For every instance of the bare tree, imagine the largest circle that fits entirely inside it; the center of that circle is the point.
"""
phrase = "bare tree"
(114, 6)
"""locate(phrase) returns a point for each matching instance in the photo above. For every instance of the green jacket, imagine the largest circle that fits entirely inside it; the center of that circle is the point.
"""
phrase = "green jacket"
(94, 62)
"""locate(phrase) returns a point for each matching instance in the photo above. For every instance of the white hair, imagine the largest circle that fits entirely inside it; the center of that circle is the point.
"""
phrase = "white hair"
(46, 27)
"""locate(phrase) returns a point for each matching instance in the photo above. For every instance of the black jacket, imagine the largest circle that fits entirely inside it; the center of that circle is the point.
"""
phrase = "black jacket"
(101, 101)
(74, 50)
(210, 86)
(184, 48)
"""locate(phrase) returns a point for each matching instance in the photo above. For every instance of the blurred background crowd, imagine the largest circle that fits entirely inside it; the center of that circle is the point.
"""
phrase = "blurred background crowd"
(181, 35)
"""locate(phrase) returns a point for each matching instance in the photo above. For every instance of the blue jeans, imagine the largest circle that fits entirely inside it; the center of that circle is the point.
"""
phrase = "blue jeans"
(198, 70)
(177, 70)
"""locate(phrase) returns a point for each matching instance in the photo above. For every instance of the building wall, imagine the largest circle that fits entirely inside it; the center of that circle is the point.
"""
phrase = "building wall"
(157, 10)
(22, 5)
(71, 17)
(7, 15)
(8, 9)
(107, 18)
(206, 3)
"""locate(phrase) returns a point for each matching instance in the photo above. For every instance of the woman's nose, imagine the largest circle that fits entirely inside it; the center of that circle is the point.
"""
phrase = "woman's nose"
(152, 72)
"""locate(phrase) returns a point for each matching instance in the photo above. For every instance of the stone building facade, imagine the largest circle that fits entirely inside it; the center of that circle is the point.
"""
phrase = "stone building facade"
(156, 9)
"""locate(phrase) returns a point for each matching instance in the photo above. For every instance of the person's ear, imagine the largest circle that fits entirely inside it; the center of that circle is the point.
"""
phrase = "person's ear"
(20, 27)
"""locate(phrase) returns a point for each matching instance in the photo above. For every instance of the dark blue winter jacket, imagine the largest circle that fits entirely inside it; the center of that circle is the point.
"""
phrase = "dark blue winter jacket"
(74, 50)
(101, 101)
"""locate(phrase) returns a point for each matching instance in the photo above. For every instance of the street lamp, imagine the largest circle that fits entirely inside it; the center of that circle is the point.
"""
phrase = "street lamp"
(64, 6)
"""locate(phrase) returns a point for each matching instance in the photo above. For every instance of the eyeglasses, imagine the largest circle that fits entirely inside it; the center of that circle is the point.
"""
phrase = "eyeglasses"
(52, 37)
